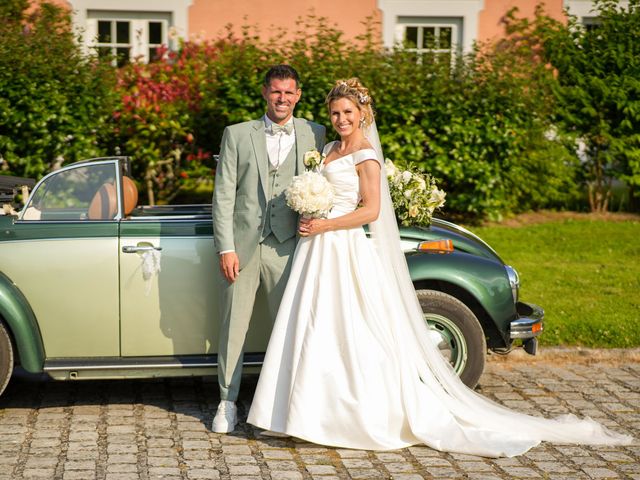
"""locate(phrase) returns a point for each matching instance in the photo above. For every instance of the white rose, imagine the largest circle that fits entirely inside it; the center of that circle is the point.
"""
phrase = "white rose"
(408, 193)
(392, 171)
(406, 176)
(437, 197)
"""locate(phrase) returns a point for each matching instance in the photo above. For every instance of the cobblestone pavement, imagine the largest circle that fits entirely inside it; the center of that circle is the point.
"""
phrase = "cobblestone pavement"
(150, 429)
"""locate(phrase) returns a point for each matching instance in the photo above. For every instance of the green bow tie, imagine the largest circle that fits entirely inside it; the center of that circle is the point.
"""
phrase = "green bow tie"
(286, 128)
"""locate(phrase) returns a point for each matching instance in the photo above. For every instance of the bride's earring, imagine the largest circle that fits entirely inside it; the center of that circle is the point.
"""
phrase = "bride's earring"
(361, 122)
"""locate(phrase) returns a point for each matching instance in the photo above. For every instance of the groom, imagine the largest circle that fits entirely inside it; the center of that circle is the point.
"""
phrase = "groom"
(254, 229)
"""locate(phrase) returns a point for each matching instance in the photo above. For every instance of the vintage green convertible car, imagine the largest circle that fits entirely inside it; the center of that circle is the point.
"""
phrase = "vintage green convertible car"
(93, 286)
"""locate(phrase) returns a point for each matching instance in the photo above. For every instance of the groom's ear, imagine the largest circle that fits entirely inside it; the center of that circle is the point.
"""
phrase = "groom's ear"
(264, 91)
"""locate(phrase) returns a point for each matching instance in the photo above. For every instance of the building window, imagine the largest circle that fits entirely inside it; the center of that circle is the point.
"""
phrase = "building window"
(156, 38)
(590, 23)
(127, 36)
(438, 36)
(114, 39)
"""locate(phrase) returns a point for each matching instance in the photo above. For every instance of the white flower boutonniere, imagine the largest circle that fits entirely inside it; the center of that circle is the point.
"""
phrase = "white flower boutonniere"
(313, 159)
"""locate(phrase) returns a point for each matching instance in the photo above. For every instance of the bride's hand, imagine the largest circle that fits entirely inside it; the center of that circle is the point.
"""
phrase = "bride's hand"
(312, 226)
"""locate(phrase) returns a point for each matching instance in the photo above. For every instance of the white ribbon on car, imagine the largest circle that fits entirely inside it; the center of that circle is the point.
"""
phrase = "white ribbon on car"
(150, 268)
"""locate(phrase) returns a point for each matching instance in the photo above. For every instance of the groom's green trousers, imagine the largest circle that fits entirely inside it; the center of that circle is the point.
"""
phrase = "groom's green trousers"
(268, 269)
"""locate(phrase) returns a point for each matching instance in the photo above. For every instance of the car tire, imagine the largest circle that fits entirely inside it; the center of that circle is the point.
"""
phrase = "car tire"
(457, 333)
(6, 357)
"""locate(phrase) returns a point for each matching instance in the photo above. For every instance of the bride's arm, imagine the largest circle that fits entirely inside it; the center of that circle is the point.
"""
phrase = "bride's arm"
(369, 173)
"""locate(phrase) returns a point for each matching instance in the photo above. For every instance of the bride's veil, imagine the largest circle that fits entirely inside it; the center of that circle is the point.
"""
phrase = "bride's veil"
(471, 410)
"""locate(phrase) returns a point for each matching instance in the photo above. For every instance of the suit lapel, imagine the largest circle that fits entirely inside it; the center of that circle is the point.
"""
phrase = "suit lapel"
(304, 142)
(259, 141)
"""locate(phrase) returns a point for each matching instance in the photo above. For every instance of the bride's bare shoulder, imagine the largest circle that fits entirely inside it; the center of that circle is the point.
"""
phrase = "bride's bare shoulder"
(365, 145)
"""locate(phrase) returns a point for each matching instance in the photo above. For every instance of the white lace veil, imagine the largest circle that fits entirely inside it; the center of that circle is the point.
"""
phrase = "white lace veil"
(412, 336)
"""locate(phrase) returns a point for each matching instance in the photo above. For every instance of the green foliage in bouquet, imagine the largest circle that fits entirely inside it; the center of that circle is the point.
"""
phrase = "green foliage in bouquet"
(414, 194)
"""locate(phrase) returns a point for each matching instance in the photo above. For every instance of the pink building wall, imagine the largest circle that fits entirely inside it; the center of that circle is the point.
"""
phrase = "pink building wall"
(490, 22)
(208, 18)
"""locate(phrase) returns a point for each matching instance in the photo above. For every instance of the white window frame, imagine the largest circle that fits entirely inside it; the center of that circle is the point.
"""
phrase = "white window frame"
(584, 10)
(138, 29)
(455, 24)
(174, 12)
(466, 10)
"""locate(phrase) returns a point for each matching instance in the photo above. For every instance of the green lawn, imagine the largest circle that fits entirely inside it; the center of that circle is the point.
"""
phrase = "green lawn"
(584, 273)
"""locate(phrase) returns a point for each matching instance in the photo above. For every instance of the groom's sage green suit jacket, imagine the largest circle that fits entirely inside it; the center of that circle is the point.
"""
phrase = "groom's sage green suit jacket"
(242, 175)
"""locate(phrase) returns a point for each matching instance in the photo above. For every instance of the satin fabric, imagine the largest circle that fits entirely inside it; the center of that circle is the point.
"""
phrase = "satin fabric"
(344, 369)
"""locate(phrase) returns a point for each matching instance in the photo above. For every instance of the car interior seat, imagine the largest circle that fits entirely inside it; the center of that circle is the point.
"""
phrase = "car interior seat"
(104, 204)
(130, 192)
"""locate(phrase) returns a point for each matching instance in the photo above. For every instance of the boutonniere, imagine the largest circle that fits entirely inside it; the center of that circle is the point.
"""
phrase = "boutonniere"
(313, 159)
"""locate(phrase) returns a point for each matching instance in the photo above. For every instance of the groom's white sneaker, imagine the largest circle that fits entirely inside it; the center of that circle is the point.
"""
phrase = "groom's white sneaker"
(226, 417)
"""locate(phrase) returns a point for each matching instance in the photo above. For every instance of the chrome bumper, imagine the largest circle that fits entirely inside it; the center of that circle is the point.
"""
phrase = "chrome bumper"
(528, 325)
(530, 321)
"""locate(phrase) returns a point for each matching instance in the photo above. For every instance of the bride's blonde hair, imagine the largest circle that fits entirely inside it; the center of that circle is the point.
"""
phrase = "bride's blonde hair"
(355, 91)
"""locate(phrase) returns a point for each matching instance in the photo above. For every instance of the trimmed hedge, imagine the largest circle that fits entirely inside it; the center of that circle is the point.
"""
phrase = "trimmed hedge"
(486, 126)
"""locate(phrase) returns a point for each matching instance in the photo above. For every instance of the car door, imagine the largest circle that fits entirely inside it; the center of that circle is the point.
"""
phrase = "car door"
(167, 286)
(174, 311)
(64, 258)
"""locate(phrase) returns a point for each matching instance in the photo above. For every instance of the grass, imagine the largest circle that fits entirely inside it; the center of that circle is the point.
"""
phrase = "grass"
(584, 273)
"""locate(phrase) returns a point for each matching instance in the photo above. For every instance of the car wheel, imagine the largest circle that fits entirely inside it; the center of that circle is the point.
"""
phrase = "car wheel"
(6, 357)
(457, 333)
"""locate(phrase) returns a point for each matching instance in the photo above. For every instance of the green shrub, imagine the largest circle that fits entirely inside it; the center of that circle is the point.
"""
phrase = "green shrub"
(56, 102)
(480, 126)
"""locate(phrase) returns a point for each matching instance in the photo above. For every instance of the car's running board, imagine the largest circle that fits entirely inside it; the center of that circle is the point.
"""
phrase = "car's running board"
(140, 367)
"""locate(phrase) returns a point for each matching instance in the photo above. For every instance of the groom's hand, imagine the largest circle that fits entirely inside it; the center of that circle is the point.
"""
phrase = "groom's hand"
(230, 266)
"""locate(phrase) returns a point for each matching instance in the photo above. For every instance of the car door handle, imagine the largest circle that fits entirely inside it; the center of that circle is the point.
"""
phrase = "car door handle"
(139, 248)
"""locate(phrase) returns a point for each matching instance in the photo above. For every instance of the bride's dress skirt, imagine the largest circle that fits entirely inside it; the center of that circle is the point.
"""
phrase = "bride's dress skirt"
(344, 369)
(337, 372)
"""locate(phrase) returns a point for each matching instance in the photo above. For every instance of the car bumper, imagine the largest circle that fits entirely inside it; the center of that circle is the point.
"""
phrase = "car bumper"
(528, 325)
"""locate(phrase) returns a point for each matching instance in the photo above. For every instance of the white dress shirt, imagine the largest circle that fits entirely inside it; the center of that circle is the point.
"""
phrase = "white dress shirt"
(279, 144)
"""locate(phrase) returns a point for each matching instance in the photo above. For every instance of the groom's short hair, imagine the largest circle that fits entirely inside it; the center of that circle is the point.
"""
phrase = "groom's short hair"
(281, 72)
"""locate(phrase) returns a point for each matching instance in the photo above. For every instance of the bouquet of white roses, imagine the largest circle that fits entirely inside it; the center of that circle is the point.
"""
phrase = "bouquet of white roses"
(310, 194)
(414, 194)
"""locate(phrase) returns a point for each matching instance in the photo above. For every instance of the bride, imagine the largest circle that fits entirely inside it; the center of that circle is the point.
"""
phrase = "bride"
(350, 362)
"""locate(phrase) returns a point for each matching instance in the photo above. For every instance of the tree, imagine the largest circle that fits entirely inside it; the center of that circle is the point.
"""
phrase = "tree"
(55, 101)
(598, 92)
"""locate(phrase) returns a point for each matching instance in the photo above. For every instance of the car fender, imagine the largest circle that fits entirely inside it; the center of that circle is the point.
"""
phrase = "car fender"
(19, 317)
(484, 279)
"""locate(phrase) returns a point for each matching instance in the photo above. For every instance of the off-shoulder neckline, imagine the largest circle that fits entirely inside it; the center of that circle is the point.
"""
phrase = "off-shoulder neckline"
(324, 165)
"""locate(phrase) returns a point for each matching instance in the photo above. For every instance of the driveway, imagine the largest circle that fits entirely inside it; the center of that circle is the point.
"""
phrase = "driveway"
(148, 429)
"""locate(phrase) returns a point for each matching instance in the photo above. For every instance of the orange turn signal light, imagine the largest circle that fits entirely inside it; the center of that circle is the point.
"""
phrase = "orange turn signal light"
(436, 246)
(536, 327)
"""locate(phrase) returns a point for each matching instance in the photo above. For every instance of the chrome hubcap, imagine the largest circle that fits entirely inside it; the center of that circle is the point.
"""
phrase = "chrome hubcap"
(449, 340)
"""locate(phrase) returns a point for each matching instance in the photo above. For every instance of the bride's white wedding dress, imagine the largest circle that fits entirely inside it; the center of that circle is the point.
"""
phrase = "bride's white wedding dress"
(344, 369)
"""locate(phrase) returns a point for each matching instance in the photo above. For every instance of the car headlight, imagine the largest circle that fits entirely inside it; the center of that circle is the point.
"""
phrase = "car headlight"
(514, 281)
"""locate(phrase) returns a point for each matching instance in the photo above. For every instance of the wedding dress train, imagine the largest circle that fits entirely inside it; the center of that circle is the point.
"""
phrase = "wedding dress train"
(345, 368)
